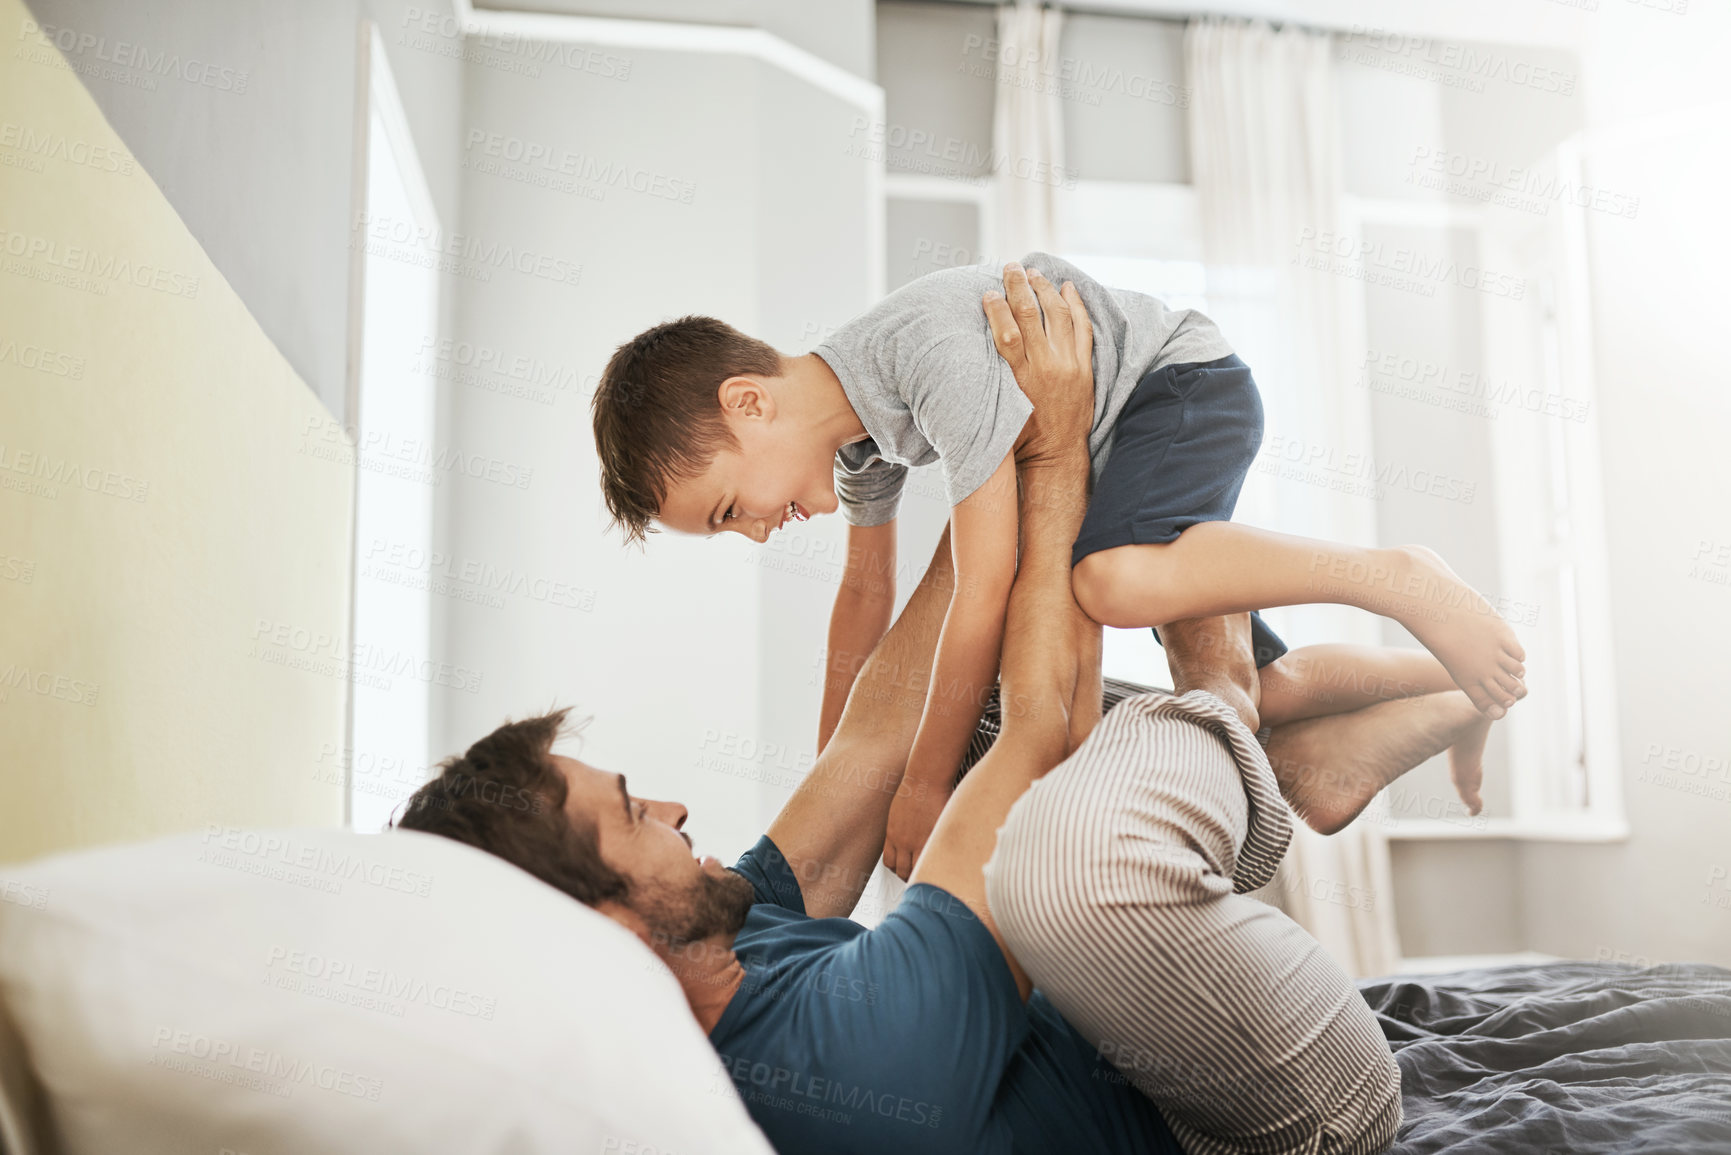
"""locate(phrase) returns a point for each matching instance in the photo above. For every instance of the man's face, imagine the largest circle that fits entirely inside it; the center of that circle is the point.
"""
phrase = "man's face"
(679, 895)
(779, 473)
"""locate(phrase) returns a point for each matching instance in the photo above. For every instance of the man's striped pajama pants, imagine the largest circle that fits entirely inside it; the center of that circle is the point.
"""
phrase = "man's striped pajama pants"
(1119, 883)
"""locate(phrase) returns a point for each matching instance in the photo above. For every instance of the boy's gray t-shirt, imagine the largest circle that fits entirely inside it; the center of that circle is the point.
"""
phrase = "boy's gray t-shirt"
(926, 381)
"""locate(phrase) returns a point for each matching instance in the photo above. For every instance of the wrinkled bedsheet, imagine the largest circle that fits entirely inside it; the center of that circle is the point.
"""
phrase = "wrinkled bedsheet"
(1574, 1057)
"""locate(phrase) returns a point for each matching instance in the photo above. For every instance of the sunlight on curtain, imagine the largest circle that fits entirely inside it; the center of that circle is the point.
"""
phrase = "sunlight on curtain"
(1265, 161)
(1027, 131)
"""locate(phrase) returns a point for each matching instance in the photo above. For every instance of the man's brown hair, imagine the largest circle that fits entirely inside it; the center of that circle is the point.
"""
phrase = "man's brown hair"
(505, 796)
(657, 418)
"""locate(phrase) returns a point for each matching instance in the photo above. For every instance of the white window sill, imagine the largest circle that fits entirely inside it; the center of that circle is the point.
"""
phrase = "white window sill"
(1574, 828)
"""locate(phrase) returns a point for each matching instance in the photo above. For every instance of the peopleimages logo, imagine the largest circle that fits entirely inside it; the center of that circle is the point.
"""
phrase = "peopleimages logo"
(1419, 378)
(422, 23)
(23, 894)
(806, 1094)
(30, 356)
(57, 146)
(1529, 189)
(585, 169)
(49, 472)
(97, 265)
(317, 651)
(1398, 266)
(257, 1068)
(458, 253)
(47, 684)
(382, 451)
(229, 846)
(1449, 62)
(371, 987)
(922, 151)
(87, 46)
(468, 578)
(1070, 77)
(487, 359)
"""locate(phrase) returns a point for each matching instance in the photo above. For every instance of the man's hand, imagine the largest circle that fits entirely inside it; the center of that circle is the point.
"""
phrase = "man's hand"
(1055, 373)
(1053, 363)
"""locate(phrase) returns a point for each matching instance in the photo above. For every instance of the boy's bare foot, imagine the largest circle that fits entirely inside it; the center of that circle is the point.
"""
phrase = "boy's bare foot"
(1467, 764)
(1463, 630)
(1214, 654)
(1330, 768)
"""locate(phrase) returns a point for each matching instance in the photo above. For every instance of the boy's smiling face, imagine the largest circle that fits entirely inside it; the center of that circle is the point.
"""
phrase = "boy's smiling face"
(781, 471)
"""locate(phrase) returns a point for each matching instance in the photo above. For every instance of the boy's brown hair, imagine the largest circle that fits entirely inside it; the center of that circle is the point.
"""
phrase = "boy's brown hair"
(657, 418)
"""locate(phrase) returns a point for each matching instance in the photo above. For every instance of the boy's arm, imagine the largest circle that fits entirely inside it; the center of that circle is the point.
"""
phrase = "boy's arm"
(984, 546)
(863, 605)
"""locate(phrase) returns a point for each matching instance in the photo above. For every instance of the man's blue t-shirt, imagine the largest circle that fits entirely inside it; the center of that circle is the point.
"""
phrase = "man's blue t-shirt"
(909, 1037)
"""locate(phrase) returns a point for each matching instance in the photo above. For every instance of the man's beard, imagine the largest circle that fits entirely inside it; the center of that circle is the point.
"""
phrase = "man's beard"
(706, 907)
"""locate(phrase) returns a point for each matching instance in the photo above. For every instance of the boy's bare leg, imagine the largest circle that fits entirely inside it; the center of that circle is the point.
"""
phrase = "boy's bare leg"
(1312, 681)
(1330, 768)
(1331, 765)
(1214, 654)
(1221, 567)
(1316, 681)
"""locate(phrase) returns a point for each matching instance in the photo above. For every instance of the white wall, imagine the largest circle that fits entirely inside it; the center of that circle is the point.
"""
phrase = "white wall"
(174, 513)
(257, 161)
(1657, 90)
(692, 656)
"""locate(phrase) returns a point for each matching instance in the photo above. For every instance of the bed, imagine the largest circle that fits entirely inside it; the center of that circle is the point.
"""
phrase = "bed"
(1521, 1060)
(1575, 1057)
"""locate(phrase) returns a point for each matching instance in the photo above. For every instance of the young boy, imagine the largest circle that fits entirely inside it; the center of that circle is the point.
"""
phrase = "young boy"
(703, 429)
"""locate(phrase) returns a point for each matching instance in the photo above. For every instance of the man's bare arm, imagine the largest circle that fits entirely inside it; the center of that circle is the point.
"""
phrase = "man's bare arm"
(832, 830)
(1043, 648)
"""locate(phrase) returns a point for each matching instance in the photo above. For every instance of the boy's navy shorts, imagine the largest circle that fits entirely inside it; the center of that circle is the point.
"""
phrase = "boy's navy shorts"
(1180, 450)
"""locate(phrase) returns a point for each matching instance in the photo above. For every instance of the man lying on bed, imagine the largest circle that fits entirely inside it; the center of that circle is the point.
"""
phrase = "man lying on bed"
(1168, 1003)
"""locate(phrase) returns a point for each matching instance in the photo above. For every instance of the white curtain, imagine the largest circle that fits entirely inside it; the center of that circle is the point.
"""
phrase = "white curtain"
(1265, 163)
(1027, 131)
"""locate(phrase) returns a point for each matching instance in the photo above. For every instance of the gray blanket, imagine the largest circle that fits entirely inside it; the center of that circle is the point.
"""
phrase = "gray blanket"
(1566, 1057)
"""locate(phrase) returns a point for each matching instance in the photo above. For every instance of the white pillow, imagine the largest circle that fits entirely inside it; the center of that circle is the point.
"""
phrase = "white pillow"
(318, 991)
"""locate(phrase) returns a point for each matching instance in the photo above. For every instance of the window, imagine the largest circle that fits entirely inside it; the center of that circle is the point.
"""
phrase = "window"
(1520, 367)
(1535, 530)
(393, 411)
